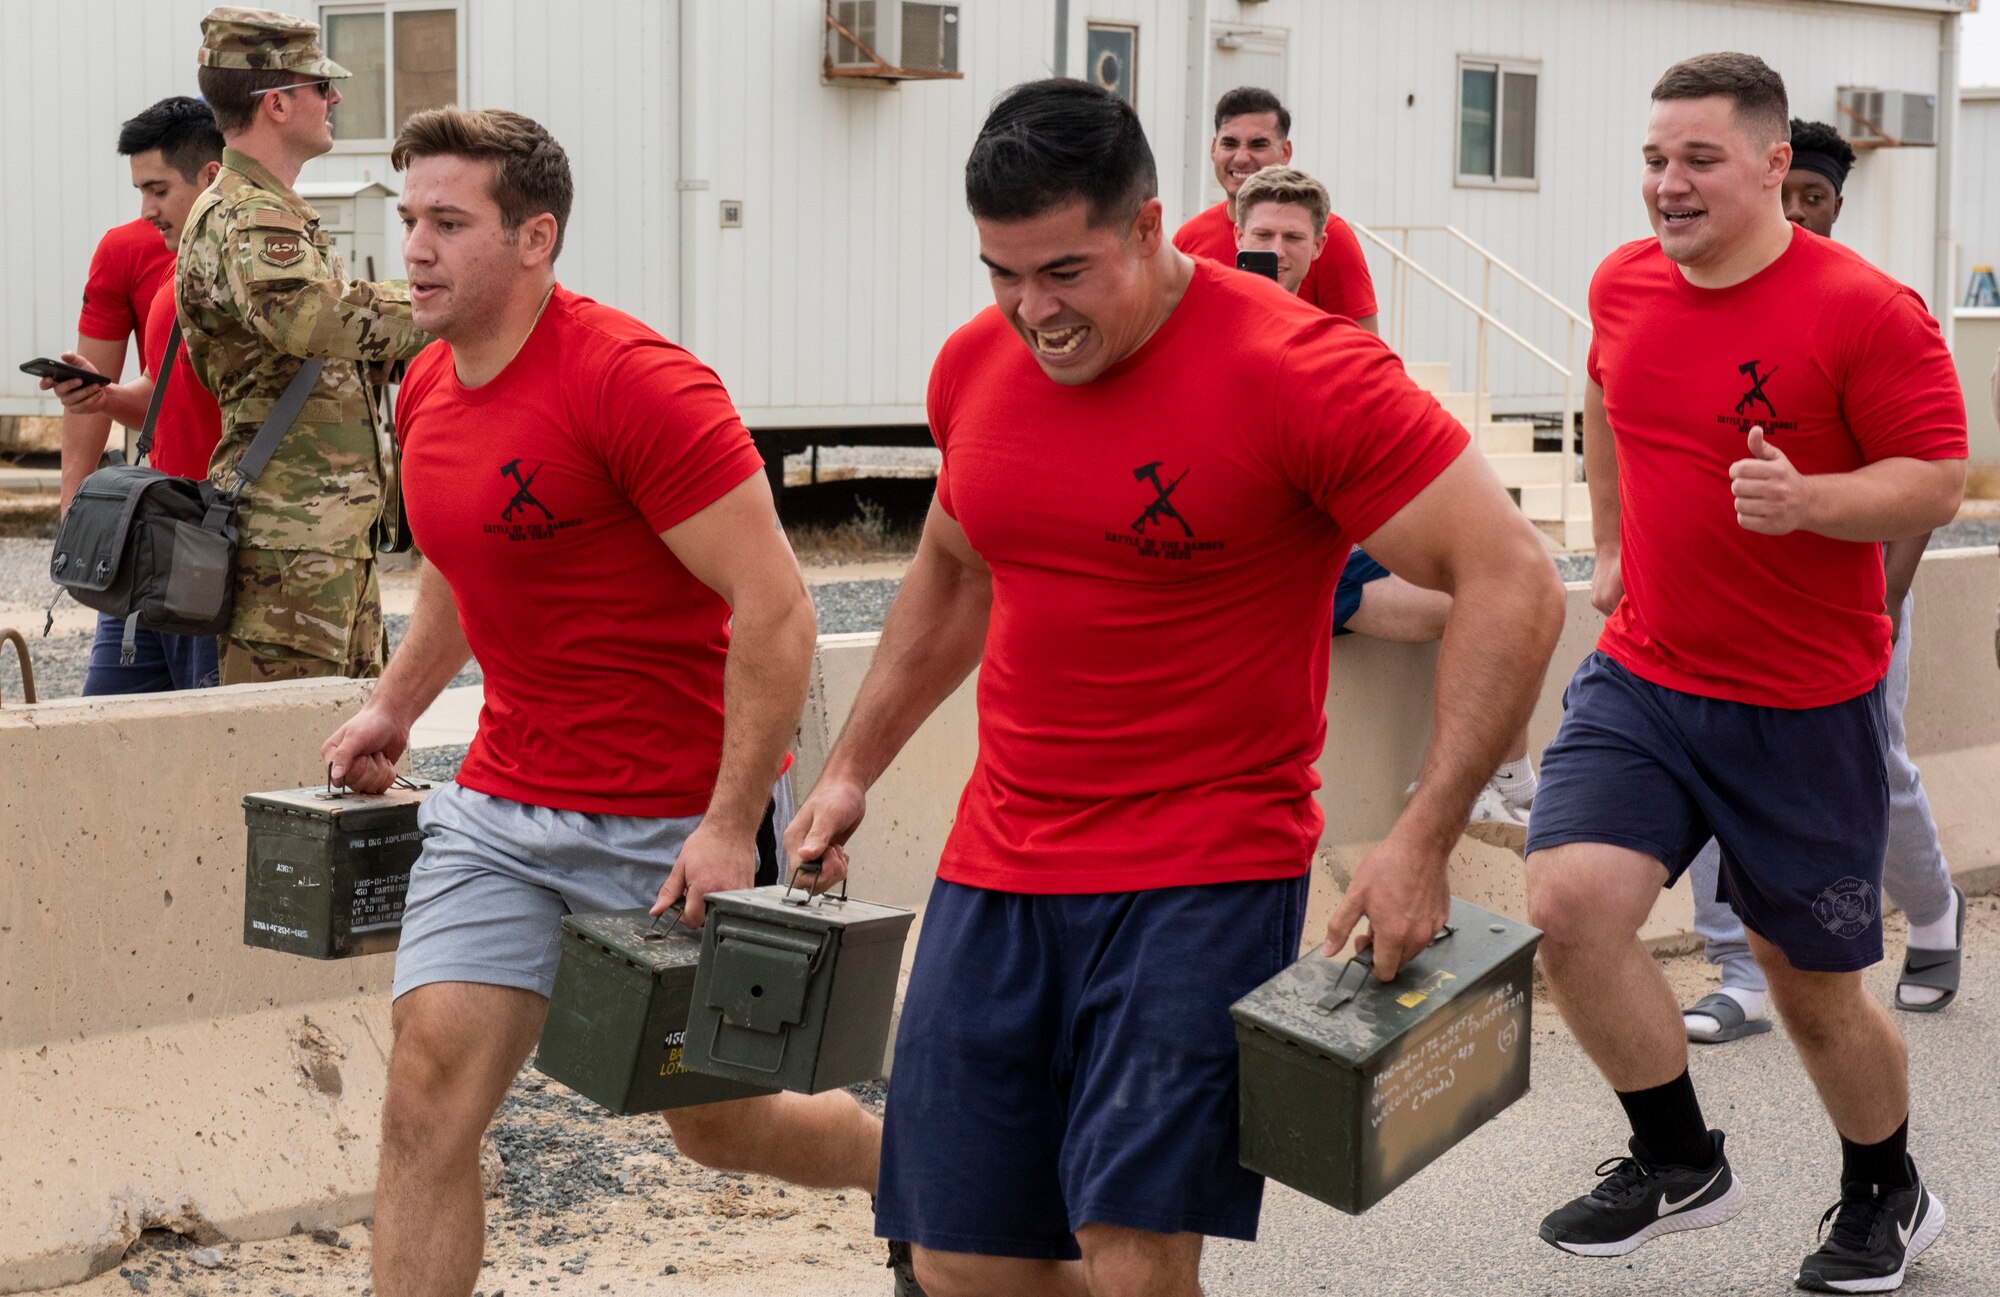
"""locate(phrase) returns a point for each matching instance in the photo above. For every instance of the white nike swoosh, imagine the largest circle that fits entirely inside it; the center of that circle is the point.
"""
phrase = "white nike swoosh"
(1903, 1232)
(1668, 1206)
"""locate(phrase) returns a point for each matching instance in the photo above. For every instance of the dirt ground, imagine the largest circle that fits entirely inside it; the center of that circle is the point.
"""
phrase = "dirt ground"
(592, 1203)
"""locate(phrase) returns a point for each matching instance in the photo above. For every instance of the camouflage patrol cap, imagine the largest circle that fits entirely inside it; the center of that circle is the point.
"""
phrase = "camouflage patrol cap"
(259, 40)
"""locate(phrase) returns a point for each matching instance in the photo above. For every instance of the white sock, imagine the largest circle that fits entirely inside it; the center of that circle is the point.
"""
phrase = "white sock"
(1940, 934)
(1751, 1002)
(1516, 782)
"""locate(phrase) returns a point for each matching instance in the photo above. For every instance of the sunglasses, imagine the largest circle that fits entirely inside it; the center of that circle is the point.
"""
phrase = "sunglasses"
(322, 84)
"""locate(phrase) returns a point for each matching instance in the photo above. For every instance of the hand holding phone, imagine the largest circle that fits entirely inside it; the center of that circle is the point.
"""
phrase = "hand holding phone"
(1258, 261)
(52, 372)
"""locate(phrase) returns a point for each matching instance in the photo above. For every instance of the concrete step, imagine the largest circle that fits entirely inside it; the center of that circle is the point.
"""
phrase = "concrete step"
(1571, 537)
(1542, 502)
(1431, 375)
(1514, 438)
(1526, 470)
(1459, 405)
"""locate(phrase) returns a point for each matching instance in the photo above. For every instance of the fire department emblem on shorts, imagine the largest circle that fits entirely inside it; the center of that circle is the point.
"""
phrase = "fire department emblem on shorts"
(1847, 909)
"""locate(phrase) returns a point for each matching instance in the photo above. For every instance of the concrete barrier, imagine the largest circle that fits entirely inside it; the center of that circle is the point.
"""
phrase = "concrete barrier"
(157, 1073)
(1379, 716)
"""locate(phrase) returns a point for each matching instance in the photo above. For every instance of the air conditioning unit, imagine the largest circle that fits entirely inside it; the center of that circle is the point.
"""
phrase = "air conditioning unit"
(891, 40)
(1878, 118)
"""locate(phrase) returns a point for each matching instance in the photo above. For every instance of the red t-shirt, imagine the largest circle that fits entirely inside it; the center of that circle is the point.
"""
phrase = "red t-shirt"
(126, 271)
(1338, 282)
(1842, 366)
(541, 497)
(1164, 544)
(190, 421)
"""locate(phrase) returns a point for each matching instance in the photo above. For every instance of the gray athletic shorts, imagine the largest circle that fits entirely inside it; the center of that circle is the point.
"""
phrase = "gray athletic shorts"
(488, 894)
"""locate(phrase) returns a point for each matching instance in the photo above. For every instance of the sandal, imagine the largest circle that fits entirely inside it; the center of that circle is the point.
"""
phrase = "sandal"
(1730, 1022)
(1936, 969)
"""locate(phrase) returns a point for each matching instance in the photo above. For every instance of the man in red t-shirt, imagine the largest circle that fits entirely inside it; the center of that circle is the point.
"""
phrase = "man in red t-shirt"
(1765, 408)
(598, 531)
(1153, 468)
(175, 150)
(1253, 131)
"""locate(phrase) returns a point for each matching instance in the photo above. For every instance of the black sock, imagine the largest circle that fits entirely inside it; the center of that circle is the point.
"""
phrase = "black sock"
(1886, 1164)
(1667, 1120)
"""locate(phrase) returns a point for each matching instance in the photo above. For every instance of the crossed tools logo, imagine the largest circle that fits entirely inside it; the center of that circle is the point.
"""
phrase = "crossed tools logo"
(1755, 396)
(1754, 408)
(1156, 514)
(517, 516)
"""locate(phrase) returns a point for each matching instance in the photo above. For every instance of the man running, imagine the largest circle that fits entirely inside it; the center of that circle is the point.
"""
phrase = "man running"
(1252, 131)
(1914, 873)
(1737, 689)
(1287, 212)
(646, 647)
(1131, 852)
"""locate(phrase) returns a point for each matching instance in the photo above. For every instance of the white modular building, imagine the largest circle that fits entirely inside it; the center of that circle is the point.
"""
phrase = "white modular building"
(777, 183)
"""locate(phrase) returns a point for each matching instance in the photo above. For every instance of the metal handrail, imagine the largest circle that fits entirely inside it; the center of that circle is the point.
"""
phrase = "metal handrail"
(1493, 261)
(13, 636)
(1482, 395)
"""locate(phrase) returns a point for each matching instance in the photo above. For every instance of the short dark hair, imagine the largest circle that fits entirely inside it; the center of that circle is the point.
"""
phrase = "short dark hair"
(232, 93)
(1252, 99)
(1048, 142)
(1748, 81)
(1818, 137)
(182, 129)
(530, 170)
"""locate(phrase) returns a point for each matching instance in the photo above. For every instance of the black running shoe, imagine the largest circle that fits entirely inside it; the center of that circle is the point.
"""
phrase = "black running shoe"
(1638, 1201)
(1876, 1234)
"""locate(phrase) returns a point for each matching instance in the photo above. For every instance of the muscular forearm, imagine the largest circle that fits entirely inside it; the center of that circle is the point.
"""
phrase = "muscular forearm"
(83, 440)
(763, 692)
(1503, 626)
(431, 654)
(931, 640)
(1600, 470)
(1890, 499)
(1899, 567)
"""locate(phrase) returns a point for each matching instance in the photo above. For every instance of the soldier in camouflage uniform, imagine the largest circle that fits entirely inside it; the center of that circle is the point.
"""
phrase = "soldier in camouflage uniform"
(260, 291)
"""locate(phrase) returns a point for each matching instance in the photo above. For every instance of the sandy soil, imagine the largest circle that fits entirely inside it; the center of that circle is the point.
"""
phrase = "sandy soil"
(590, 1203)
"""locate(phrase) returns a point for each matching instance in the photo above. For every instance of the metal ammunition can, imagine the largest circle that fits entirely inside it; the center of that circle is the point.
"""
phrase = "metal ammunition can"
(327, 870)
(795, 992)
(1350, 1086)
(618, 1013)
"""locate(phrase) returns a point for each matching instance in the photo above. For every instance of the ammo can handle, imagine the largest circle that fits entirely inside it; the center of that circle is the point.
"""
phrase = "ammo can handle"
(809, 867)
(813, 948)
(1364, 959)
(333, 794)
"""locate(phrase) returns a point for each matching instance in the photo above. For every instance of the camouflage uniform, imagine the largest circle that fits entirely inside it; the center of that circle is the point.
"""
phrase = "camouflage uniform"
(259, 290)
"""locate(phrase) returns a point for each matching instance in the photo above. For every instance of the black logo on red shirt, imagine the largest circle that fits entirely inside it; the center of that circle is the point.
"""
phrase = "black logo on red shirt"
(517, 516)
(1162, 505)
(1755, 396)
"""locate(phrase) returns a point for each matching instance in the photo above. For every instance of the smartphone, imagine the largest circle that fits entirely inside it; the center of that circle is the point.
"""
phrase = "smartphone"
(1258, 262)
(43, 367)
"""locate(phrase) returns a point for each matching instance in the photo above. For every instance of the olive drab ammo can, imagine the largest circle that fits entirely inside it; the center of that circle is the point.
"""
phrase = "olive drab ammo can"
(1350, 1086)
(618, 1012)
(328, 869)
(795, 991)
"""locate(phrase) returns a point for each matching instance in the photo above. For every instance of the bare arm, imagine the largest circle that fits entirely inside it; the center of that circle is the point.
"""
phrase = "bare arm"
(85, 431)
(1372, 323)
(931, 640)
(1600, 470)
(1464, 536)
(364, 751)
(1887, 500)
(736, 549)
(1899, 568)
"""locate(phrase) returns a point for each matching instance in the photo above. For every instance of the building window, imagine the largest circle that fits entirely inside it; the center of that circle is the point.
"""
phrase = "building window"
(1496, 122)
(404, 59)
(1111, 53)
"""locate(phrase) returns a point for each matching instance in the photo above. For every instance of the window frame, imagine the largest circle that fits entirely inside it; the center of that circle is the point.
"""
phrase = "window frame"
(1132, 70)
(388, 9)
(1499, 66)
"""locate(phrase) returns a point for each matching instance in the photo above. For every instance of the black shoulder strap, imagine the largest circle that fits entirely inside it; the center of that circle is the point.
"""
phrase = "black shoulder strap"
(145, 446)
(276, 424)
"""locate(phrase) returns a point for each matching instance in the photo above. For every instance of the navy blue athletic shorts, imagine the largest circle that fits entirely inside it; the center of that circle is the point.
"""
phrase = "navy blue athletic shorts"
(1360, 570)
(1070, 1060)
(1798, 800)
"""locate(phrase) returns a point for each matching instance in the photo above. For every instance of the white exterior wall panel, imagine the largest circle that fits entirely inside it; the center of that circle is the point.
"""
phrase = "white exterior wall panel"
(1978, 211)
(856, 257)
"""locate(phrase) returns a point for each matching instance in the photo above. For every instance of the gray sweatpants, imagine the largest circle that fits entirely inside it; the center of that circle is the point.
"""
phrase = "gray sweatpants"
(1914, 873)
